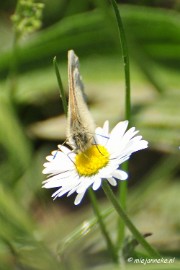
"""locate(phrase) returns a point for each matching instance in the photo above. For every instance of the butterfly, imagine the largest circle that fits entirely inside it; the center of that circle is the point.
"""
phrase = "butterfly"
(80, 124)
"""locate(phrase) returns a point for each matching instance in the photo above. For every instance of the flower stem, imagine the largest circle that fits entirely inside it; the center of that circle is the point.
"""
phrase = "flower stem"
(122, 199)
(61, 88)
(139, 237)
(107, 238)
(125, 56)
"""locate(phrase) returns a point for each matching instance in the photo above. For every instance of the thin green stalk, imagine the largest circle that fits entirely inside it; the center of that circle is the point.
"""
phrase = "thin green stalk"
(61, 88)
(110, 246)
(14, 68)
(14, 60)
(125, 56)
(122, 199)
(138, 236)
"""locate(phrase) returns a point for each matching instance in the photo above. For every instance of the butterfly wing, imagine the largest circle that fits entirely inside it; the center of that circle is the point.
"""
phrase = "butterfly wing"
(80, 122)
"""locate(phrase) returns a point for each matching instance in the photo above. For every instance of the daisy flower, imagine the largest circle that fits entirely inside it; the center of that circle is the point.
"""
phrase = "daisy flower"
(74, 172)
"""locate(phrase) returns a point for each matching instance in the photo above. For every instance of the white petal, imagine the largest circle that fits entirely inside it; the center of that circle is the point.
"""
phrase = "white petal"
(62, 176)
(64, 181)
(112, 181)
(60, 163)
(107, 171)
(116, 141)
(60, 193)
(71, 191)
(121, 175)
(49, 158)
(101, 135)
(64, 149)
(119, 159)
(135, 145)
(56, 193)
(86, 182)
(67, 188)
(106, 127)
(79, 198)
(119, 130)
(101, 139)
(56, 168)
(119, 144)
(52, 184)
(97, 183)
(127, 145)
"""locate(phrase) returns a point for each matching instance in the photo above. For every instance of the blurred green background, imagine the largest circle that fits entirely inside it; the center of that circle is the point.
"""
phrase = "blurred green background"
(36, 232)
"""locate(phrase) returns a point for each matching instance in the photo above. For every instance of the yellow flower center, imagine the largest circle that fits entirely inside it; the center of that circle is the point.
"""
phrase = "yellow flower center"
(91, 160)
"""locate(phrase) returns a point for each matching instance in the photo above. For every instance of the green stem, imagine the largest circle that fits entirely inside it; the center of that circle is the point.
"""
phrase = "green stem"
(61, 88)
(14, 60)
(138, 236)
(125, 56)
(14, 68)
(122, 198)
(107, 238)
